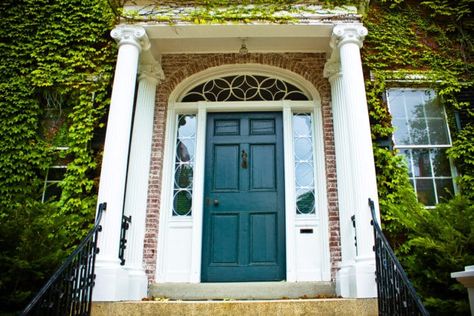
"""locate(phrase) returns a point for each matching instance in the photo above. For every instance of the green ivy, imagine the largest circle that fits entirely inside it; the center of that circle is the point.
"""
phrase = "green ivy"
(226, 11)
(56, 61)
(423, 44)
(462, 153)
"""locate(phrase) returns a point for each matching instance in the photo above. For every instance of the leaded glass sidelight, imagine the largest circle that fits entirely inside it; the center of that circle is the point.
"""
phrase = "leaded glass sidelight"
(184, 165)
(304, 163)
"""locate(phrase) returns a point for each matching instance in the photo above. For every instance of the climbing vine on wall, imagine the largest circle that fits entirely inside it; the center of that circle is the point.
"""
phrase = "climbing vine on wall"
(413, 45)
(423, 44)
(56, 61)
(244, 11)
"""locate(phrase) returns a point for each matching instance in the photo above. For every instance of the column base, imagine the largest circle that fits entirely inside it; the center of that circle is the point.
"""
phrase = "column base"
(137, 284)
(111, 283)
(356, 278)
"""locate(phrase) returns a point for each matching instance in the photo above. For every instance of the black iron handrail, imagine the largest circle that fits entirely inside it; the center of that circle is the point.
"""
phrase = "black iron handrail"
(396, 294)
(69, 290)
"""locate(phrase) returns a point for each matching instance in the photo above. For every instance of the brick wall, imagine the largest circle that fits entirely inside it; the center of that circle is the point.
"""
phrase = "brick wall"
(180, 66)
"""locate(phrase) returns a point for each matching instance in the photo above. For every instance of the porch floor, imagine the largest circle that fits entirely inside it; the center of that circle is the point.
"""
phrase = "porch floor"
(243, 290)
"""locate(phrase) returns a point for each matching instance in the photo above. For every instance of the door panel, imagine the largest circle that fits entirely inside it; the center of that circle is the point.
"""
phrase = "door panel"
(262, 167)
(225, 233)
(226, 168)
(263, 245)
(243, 227)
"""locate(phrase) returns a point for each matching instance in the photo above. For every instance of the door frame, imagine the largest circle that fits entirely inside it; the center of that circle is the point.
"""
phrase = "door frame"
(192, 226)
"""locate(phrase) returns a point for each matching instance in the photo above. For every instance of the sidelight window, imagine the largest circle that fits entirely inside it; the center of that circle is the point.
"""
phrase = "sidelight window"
(184, 165)
(304, 163)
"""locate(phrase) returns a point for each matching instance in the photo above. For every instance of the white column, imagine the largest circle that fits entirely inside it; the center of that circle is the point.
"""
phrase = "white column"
(111, 277)
(347, 40)
(344, 284)
(137, 179)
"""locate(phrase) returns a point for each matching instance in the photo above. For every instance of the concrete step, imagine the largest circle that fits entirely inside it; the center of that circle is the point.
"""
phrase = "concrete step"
(316, 307)
(242, 290)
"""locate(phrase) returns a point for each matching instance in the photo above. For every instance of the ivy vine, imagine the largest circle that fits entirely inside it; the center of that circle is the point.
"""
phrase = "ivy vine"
(423, 44)
(56, 61)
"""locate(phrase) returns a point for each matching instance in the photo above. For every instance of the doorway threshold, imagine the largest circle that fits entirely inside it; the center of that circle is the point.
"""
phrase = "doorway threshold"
(243, 290)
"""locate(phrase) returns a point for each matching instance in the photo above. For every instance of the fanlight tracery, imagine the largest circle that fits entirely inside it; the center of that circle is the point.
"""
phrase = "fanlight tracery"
(245, 88)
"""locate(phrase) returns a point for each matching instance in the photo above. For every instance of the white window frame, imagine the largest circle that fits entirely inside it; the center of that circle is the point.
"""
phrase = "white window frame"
(425, 147)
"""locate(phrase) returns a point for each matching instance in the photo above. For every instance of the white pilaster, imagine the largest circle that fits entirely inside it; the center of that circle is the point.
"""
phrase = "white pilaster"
(355, 163)
(137, 179)
(332, 71)
(111, 281)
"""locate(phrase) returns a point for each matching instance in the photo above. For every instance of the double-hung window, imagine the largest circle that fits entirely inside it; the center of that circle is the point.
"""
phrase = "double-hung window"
(422, 137)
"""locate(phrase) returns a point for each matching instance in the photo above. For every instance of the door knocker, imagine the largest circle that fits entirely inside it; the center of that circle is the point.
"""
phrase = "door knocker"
(244, 160)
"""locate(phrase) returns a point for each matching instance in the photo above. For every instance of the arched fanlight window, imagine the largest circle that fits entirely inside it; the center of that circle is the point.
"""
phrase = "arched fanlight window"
(245, 88)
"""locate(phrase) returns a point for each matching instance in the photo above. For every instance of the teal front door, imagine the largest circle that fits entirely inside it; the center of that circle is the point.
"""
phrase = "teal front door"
(244, 227)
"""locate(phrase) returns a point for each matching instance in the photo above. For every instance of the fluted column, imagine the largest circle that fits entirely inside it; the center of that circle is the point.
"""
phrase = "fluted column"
(137, 180)
(347, 41)
(332, 71)
(111, 277)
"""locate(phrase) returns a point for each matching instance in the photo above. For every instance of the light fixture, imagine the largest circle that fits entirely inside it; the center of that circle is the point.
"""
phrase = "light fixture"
(243, 47)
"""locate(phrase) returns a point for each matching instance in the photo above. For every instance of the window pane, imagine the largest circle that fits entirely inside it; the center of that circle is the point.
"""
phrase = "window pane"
(425, 191)
(305, 202)
(441, 166)
(421, 162)
(414, 103)
(186, 126)
(397, 104)
(302, 125)
(433, 108)
(406, 154)
(183, 176)
(182, 203)
(418, 132)
(304, 175)
(184, 165)
(445, 189)
(401, 135)
(52, 191)
(438, 132)
(304, 165)
(303, 148)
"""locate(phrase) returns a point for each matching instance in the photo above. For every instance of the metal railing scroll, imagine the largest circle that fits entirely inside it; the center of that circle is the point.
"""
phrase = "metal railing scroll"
(69, 290)
(396, 295)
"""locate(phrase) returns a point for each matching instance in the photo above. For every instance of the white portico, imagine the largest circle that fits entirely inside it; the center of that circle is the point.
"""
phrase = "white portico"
(309, 237)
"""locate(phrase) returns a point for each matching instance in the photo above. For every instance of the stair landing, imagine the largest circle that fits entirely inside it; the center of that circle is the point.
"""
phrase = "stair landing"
(242, 290)
(316, 307)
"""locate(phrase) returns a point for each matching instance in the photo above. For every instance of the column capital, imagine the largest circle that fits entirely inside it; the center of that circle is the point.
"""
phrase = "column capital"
(332, 70)
(348, 33)
(131, 35)
(151, 71)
